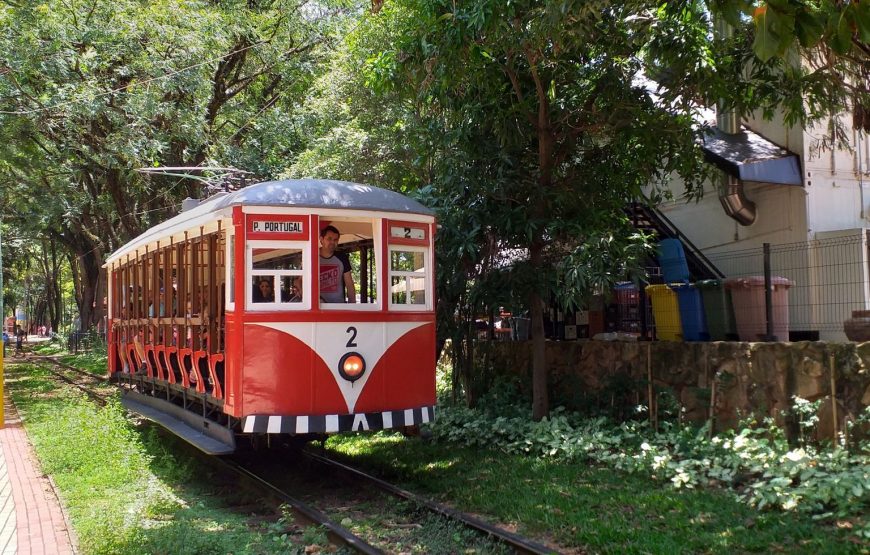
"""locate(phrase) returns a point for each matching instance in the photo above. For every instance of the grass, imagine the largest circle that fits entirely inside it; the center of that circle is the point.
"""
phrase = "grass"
(589, 508)
(125, 489)
(128, 491)
(93, 361)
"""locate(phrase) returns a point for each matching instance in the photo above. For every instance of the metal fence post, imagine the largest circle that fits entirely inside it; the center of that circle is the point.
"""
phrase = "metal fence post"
(768, 295)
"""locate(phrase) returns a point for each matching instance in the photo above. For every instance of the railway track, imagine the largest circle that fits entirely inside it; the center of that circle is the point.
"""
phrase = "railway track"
(264, 474)
(87, 388)
(514, 542)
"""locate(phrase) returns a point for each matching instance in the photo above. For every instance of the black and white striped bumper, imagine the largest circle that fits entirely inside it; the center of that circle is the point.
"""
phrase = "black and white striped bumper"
(332, 423)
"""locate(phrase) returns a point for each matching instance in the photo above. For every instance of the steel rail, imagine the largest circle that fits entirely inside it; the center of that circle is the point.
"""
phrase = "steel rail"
(45, 361)
(518, 543)
(85, 373)
(336, 532)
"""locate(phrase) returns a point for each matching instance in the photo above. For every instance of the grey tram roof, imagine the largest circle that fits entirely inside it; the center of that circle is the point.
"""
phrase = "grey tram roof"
(323, 193)
(303, 193)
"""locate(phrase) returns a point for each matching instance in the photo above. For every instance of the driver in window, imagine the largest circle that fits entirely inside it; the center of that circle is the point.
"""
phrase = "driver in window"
(336, 280)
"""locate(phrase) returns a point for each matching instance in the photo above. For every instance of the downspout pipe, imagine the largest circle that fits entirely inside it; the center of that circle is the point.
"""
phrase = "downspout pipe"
(734, 200)
(731, 193)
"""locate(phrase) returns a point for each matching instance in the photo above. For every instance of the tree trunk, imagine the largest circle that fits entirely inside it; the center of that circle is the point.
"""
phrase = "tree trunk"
(540, 397)
(88, 275)
(56, 301)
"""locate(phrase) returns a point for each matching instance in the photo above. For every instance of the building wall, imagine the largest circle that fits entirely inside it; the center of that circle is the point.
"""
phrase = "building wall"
(839, 196)
(830, 279)
(781, 217)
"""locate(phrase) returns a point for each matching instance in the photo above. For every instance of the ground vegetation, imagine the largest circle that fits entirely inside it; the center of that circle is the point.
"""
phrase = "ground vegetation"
(578, 484)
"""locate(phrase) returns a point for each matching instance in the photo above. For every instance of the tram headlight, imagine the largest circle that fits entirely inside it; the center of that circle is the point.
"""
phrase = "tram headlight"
(352, 366)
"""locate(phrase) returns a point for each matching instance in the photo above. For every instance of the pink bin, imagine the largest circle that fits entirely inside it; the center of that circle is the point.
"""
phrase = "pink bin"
(747, 295)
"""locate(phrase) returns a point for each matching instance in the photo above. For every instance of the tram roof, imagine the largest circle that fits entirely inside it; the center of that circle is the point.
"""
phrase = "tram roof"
(324, 193)
(303, 193)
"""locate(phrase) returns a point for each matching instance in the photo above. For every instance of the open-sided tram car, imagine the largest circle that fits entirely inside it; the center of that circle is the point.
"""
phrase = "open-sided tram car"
(200, 349)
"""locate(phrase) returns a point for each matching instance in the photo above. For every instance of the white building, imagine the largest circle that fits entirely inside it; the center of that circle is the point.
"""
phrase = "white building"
(805, 196)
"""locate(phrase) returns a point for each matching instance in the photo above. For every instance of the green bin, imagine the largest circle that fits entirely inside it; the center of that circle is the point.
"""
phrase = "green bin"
(718, 309)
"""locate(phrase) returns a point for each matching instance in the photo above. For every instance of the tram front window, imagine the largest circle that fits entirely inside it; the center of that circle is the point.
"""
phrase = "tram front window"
(408, 276)
(291, 289)
(277, 270)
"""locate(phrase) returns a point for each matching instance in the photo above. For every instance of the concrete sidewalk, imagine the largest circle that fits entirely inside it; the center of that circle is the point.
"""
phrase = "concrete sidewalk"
(31, 518)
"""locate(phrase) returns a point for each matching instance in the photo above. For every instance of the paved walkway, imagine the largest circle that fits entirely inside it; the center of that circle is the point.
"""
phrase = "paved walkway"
(31, 519)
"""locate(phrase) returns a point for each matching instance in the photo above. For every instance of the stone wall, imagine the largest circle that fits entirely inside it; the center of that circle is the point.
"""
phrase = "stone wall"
(746, 379)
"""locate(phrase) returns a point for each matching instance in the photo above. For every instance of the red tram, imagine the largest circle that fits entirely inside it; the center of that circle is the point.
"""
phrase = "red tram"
(287, 307)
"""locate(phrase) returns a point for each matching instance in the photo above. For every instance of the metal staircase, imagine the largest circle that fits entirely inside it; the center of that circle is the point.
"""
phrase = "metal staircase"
(650, 220)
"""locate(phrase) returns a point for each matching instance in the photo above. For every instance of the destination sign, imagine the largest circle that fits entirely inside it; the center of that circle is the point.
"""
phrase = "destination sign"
(277, 227)
(258, 226)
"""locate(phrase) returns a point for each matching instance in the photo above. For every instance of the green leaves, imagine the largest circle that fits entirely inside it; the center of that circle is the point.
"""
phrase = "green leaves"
(778, 24)
(809, 29)
(774, 32)
(763, 470)
(839, 30)
(860, 12)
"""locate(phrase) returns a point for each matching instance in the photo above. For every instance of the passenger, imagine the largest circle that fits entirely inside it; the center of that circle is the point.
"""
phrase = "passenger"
(296, 291)
(336, 280)
(140, 355)
(20, 336)
(264, 293)
(162, 308)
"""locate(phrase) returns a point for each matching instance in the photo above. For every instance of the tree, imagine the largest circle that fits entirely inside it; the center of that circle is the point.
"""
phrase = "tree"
(807, 59)
(546, 102)
(361, 130)
(94, 90)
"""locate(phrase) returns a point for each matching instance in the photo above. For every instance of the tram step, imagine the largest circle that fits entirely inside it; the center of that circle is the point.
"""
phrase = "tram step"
(204, 434)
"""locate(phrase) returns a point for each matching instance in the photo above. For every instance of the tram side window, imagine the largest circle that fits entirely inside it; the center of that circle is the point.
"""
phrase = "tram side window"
(408, 276)
(276, 275)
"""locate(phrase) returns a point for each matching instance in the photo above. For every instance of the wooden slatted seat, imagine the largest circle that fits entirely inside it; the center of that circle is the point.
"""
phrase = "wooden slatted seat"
(124, 356)
(198, 356)
(170, 357)
(215, 368)
(149, 361)
(133, 357)
(185, 356)
(159, 357)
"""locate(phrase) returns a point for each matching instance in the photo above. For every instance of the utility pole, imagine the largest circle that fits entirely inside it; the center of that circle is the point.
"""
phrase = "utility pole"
(3, 328)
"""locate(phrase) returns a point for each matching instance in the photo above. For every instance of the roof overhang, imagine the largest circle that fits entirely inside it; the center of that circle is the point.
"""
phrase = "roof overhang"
(750, 157)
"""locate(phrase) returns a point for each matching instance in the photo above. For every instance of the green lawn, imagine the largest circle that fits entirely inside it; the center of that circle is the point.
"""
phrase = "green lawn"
(590, 508)
(129, 491)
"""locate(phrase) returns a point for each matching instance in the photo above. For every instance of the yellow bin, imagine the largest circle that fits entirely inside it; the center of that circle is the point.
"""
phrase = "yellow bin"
(666, 312)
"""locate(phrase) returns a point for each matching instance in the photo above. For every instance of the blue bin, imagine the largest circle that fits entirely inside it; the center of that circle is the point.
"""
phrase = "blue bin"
(692, 318)
(672, 259)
